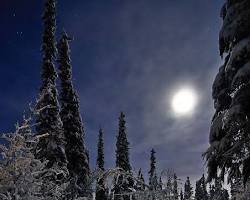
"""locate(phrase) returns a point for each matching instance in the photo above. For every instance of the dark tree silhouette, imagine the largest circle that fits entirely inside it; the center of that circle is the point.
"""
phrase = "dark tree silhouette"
(153, 182)
(229, 135)
(122, 184)
(76, 152)
(101, 191)
(48, 122)
(140, 184)
(175, 187)
(201, 190)
(188, 190)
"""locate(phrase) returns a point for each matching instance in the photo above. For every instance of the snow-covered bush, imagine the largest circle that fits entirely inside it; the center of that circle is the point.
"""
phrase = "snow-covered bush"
(110, 177)
(22, 176)
(17, 166)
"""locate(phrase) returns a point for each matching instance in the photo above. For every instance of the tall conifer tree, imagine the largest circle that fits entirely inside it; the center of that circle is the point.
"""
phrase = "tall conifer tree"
(169, 186)
(100, 151)
(188, 190)
(175, 187)
(101, 192)
(153, 182)
(76, 152)
(201, 189)
(140, 184)
(48, 122)
(123, 184)
(122, 146)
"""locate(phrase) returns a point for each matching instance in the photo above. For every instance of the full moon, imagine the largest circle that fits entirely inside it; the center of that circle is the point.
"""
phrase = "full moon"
(184, 101)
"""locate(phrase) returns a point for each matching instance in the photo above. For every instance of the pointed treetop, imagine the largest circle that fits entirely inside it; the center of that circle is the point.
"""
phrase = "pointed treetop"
(49, 49)
(100, 151)
(153, 181)
(122, 146)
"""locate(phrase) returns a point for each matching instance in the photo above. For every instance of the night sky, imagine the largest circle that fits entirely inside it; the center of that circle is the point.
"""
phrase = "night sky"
(127, 55)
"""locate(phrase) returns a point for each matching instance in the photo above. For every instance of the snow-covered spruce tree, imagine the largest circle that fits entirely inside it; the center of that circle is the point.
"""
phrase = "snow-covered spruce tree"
(229, 135)
(175, 188)
(101, 191)
(48, 122)
(188, 190)
(198, 190)
(140, 182)
(160, 184)
(169, 186)
(72, 123)
(153, 182)
(201, 190)
(122, 185)
(204, 187)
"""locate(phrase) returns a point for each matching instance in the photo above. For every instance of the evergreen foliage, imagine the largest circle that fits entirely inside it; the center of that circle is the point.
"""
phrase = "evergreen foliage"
(100, 151)
(101, 191)
(201, 190)
(218, 192)
(175, 188)
(53, 164)
(122, 184)
(48, 122)
(153, 182)
(169, 186)
(140, 183)
(229, 135)
(188, 190)
(122, 146)
(75, 149)
(49, 50)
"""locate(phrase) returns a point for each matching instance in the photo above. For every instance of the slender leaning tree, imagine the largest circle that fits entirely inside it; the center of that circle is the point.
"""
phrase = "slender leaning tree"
(230, 130)
(78, 164)
(48, 122)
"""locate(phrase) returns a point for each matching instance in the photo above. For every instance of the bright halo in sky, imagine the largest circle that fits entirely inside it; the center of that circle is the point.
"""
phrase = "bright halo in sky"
(184, 101)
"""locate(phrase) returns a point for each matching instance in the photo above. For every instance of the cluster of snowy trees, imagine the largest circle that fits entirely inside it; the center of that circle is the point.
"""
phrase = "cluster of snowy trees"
(23, 176)
(228, 154)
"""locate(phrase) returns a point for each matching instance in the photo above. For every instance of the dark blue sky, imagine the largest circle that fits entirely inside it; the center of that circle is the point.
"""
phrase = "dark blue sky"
(127, 55)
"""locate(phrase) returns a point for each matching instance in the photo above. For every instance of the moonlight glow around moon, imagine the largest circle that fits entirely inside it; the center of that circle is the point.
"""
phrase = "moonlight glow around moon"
(184, 101)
